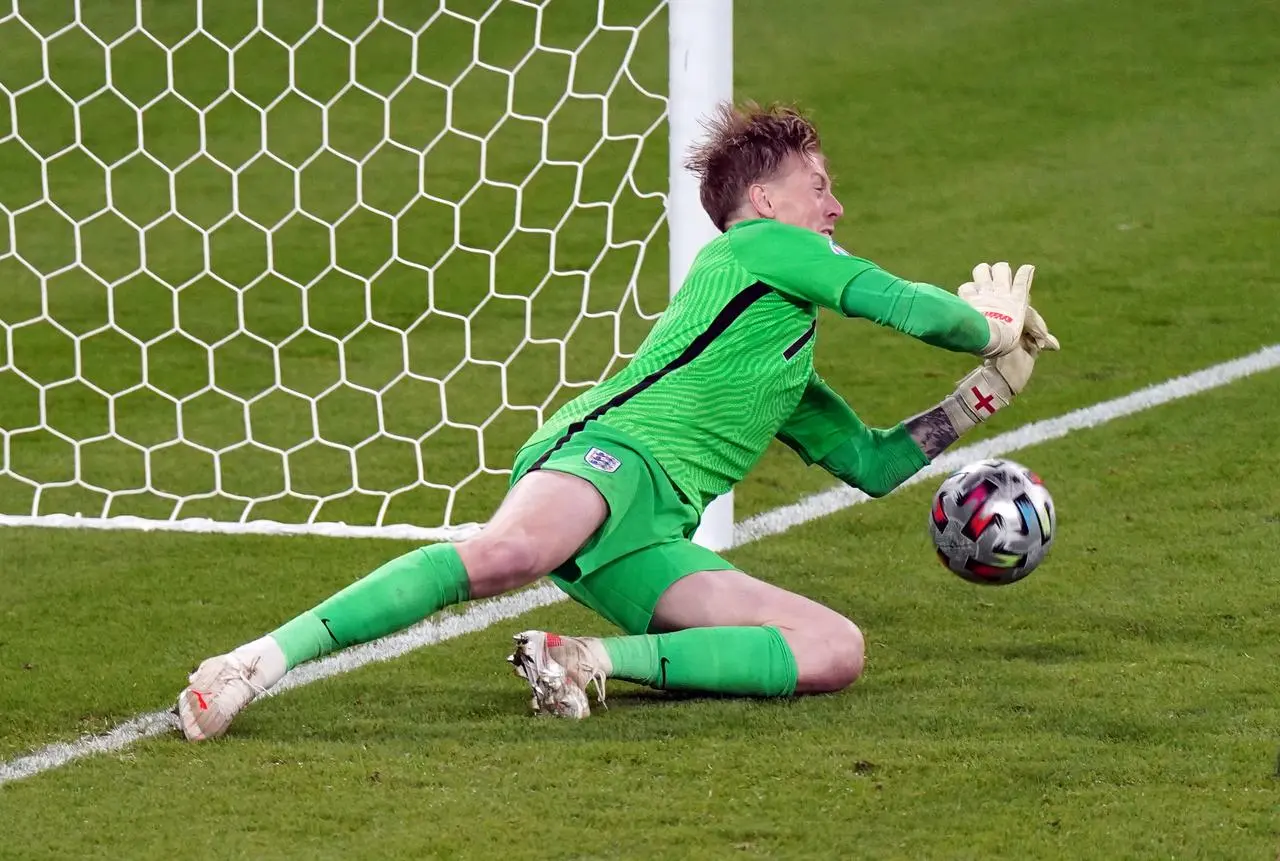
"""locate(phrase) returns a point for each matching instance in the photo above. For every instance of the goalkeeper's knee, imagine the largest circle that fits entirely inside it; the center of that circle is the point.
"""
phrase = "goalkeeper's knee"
(830, 656)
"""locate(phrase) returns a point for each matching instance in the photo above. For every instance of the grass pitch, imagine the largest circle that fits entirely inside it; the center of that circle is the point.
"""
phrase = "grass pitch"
(1118, 704)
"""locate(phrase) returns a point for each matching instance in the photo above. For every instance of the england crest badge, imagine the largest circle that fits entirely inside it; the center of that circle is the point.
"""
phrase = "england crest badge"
(602, 460)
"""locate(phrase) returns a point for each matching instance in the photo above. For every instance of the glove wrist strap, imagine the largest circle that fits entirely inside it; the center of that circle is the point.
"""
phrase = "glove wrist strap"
(961, 419)
(977, 397)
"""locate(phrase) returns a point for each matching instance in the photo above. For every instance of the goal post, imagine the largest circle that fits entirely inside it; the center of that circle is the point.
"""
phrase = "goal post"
(318, 268)
(701, 76)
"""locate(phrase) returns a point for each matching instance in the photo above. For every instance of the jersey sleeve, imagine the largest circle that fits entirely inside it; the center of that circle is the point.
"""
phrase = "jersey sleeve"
(819, 423)
(924, 312)
(812, 268)
(825, 430)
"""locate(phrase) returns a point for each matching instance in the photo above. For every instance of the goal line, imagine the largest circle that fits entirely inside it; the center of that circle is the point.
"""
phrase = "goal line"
(751, 528)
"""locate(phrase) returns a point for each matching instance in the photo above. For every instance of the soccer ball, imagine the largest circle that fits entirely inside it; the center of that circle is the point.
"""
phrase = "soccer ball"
(992, 522)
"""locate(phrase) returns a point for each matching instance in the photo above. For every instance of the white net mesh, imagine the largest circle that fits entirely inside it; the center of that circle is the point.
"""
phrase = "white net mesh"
(325, 263)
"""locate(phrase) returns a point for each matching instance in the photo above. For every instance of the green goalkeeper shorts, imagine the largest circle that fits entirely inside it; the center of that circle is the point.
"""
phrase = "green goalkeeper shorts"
(643, 545)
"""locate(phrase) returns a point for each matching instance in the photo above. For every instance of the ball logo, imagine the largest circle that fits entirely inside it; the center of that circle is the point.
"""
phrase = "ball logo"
(602, 460)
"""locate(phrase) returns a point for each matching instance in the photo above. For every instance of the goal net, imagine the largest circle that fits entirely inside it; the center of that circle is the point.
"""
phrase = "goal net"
(321, 266)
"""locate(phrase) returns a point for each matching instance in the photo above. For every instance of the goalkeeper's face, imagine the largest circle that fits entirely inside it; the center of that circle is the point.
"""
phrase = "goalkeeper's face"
(800, 194)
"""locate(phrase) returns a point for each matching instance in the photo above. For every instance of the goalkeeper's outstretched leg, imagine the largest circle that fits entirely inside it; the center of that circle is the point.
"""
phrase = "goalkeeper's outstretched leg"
(545, 519)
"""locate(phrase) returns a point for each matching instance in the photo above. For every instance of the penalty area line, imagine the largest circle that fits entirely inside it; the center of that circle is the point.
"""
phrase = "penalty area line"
(484, 614)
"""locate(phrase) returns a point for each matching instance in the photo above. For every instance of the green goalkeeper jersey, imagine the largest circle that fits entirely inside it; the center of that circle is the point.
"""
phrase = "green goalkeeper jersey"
(729, 365)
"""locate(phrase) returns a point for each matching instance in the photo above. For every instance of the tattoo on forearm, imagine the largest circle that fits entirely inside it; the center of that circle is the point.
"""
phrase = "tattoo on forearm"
(932, 431)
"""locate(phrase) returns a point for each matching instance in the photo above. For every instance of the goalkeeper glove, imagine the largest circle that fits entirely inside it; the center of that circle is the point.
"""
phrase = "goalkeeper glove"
(1037, 333)
(993, 385)
(1002, 298)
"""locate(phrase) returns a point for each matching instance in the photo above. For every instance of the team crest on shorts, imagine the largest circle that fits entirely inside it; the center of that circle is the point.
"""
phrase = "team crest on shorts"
(602, 460)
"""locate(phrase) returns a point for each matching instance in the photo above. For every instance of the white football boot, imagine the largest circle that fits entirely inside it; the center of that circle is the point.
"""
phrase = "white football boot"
(220, 687)
(558, 670)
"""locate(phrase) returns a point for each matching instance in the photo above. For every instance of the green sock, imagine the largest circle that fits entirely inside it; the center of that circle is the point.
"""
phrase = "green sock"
(743, 661)
(403, 591)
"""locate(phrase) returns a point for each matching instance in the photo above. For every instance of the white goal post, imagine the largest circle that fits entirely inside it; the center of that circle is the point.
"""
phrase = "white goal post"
(318, 268)
(700, 77)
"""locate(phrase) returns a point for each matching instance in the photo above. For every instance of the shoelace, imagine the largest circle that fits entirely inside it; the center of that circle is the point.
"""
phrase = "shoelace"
(594, 675)
(236, 669)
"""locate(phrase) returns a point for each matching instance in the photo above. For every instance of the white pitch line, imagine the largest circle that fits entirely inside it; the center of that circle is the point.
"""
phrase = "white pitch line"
(208, 526)
(830, 501)
(477, 617)
(484, 614)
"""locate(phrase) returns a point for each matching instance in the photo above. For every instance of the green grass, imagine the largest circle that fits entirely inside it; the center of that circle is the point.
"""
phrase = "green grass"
(1117, 704)
(1114, 705)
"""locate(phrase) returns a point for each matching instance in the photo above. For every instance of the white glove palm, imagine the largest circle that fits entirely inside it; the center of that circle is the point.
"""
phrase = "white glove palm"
(1002, 298)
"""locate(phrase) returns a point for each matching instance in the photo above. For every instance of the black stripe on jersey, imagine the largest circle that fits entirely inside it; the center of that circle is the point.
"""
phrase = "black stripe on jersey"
(730, 312)
(790, 352)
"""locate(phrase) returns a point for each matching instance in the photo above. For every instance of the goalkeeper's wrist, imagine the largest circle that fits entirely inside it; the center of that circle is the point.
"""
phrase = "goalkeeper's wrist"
(977, 397)
(962, 421)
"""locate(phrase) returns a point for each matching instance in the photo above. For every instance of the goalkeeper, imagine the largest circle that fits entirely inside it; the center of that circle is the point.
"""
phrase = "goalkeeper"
(606, 495)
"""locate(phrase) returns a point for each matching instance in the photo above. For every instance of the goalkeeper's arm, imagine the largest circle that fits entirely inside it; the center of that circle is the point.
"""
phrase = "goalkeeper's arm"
(924, 312)
(824, 430)
(986, 317)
